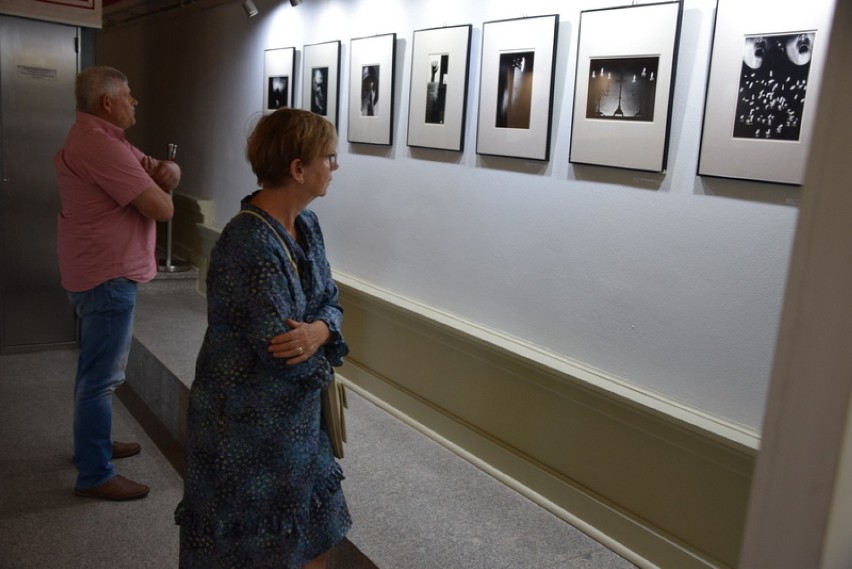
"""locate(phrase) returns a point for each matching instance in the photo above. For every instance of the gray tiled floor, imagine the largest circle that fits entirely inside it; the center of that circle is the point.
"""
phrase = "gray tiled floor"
(42, 523)
(417, 505)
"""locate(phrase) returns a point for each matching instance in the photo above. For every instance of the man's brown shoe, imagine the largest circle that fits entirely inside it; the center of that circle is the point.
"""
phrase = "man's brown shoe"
(116, 488)
(123, 450)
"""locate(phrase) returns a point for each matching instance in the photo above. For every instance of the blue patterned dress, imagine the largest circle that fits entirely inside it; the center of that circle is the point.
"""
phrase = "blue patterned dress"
(262, 488)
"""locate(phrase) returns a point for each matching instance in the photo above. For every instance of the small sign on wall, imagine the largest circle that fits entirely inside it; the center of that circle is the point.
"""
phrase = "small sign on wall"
(37, 73)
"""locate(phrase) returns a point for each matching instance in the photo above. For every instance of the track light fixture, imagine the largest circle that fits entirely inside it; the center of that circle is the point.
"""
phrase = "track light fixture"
(250, 8)
(295, 2)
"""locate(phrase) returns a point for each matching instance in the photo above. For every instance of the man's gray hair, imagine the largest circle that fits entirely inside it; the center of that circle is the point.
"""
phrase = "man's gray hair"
(95, 82)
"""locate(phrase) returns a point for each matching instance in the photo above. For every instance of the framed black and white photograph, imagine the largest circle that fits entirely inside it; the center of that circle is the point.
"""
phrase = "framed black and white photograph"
(371, 89)
(626, 63)
(440, 61)
(278, 65)
(516, 87)
(765, 75)
(321, 79)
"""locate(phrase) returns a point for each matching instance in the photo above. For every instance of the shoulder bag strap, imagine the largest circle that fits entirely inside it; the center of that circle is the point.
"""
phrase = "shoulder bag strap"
(280, 239)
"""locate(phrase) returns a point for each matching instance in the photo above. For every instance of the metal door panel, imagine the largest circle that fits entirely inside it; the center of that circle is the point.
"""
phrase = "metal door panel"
(38, 64)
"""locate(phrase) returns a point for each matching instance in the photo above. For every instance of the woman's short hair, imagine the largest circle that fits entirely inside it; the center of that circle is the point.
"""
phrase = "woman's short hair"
(283, 136)
(93, 83)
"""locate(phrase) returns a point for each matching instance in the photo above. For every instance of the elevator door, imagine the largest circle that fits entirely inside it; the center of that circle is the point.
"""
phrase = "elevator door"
(38, 64)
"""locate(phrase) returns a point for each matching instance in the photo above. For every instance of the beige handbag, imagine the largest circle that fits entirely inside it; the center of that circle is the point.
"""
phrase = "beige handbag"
(333, 397)
(333, 419)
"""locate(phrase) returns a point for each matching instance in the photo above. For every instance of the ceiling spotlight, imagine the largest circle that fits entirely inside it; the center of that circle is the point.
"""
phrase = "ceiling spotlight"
(250, 8)
(295, 2)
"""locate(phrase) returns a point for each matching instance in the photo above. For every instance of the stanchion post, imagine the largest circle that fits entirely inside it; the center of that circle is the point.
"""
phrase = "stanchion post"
(169, 265)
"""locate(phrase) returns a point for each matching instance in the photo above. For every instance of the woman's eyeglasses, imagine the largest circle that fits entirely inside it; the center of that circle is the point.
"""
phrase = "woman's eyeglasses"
(332, 159)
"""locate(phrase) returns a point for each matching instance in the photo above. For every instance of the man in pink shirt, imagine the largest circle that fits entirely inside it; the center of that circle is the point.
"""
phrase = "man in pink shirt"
(111, 197)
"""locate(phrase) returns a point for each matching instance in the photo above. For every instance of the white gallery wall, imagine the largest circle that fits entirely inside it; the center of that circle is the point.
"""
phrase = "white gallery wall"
(671, 283)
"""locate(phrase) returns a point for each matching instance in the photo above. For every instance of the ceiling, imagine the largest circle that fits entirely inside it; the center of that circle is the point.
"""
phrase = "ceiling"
(116, 12)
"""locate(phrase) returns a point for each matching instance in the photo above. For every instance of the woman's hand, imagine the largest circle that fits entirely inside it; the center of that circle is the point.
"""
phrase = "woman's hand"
(301, 342)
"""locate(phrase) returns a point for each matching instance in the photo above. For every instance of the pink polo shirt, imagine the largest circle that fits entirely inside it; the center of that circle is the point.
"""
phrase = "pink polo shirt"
(100, 235)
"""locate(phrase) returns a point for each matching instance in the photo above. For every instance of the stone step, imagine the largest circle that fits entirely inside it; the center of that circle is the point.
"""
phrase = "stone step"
(179, 276)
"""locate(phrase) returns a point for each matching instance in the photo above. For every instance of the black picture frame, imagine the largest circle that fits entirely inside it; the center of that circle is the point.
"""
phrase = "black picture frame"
(764, 82)
(626, 63)
(371, 89)
(440, 69)
(321, 79)
(516, 87)
(278, 78)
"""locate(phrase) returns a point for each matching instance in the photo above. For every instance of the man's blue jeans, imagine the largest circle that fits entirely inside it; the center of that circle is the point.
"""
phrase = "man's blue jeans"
(106, 330)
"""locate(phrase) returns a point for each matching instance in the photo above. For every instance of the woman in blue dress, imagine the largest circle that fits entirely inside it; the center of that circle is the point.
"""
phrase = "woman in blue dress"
(262, 488)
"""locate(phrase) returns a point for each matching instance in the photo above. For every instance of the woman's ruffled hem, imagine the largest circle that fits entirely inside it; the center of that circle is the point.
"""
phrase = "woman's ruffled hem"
(206, 521)
(332, 483)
